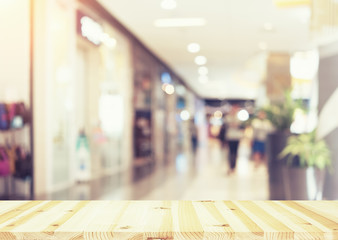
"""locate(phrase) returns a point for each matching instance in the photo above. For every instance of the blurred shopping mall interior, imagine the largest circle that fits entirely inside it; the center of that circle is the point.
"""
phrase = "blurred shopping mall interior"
(168, 99)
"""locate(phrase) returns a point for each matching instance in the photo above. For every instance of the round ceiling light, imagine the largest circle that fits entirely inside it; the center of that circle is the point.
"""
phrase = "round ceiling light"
(218, 114)
(243, 115)
(185, 115)
(203, 70)
(193, 47)
(169, 89)
(200, 60)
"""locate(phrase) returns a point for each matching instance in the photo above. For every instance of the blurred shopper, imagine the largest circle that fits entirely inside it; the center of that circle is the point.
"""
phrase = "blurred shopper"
(261, 127)
(83, 168)
(194, 137)
(222, 134)
(234, 134)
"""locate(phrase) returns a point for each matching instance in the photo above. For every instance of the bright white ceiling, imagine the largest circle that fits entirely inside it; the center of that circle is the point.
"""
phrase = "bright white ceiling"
(230, 39)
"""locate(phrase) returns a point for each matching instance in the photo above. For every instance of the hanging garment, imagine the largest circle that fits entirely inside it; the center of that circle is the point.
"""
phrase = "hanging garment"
(4, 163)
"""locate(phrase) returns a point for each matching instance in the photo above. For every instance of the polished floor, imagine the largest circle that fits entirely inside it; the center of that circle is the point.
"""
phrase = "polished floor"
(201, 175)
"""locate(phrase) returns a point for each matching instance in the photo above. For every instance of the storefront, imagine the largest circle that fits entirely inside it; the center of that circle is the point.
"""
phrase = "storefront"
(104, 93)
(144, 79)
(170, 124)
(97, 93)
(84, 84)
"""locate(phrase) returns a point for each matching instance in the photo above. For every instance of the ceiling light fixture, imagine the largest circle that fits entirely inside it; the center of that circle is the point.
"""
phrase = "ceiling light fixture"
(218, 114)
(243, 115)
(168, 4)
(185, 115)
(193, 47)
(179, 22)
(203, 70)
(169, 89)
(200, 60)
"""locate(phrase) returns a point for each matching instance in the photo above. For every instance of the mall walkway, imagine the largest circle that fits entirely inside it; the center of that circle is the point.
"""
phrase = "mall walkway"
(203, 176)
(206, 177)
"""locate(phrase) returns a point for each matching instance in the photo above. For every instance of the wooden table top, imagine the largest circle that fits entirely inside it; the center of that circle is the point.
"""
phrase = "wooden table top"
(152, 220)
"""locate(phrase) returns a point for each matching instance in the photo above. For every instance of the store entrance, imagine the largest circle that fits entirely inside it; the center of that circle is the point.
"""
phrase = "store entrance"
(97, 116)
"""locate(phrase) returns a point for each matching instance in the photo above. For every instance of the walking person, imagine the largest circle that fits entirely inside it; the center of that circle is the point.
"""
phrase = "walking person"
(234, 134)
(261, 128)
(194, 135)
(222, 135)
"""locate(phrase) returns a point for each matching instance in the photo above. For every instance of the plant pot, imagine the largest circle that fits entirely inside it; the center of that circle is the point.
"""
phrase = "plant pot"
(303, 183)
(275, 144)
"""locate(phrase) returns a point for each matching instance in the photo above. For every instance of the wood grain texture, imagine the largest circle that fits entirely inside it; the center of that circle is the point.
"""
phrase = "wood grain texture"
(154, 220)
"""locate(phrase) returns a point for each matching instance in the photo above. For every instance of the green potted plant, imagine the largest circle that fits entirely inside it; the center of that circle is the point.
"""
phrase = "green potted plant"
(306, 161)
(281, 115)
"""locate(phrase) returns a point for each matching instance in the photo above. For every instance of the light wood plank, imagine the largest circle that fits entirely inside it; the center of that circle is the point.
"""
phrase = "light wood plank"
(254, 231)
(215, 226)
(159, 224)
(302, 229)
(185, 221)
(154, 220)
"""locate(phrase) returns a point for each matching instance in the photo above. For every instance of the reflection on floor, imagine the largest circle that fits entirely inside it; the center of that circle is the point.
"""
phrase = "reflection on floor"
(202, 175)
(206, 178)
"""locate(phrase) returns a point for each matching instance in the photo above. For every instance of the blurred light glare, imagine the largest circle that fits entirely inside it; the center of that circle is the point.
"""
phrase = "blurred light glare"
(200, 60)
(168, 4)
(193, 47)
(111, 121)
(91, 30)
(299, 125)
(243, 115)
(169, 89)
(185, 115)
(203, 70)
(218, 114)
(108, 41)
(203, 79)
(164, 86)
(165, 77)
(304, 65)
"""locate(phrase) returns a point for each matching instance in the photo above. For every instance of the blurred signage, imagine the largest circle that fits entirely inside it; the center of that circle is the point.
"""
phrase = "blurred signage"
(92, 31)
(166, 78)
(88, 28)
(180, 104)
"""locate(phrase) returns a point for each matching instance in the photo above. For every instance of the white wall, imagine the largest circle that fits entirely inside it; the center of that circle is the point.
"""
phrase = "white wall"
(14, 59)
(41, 148)
(14, 50)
